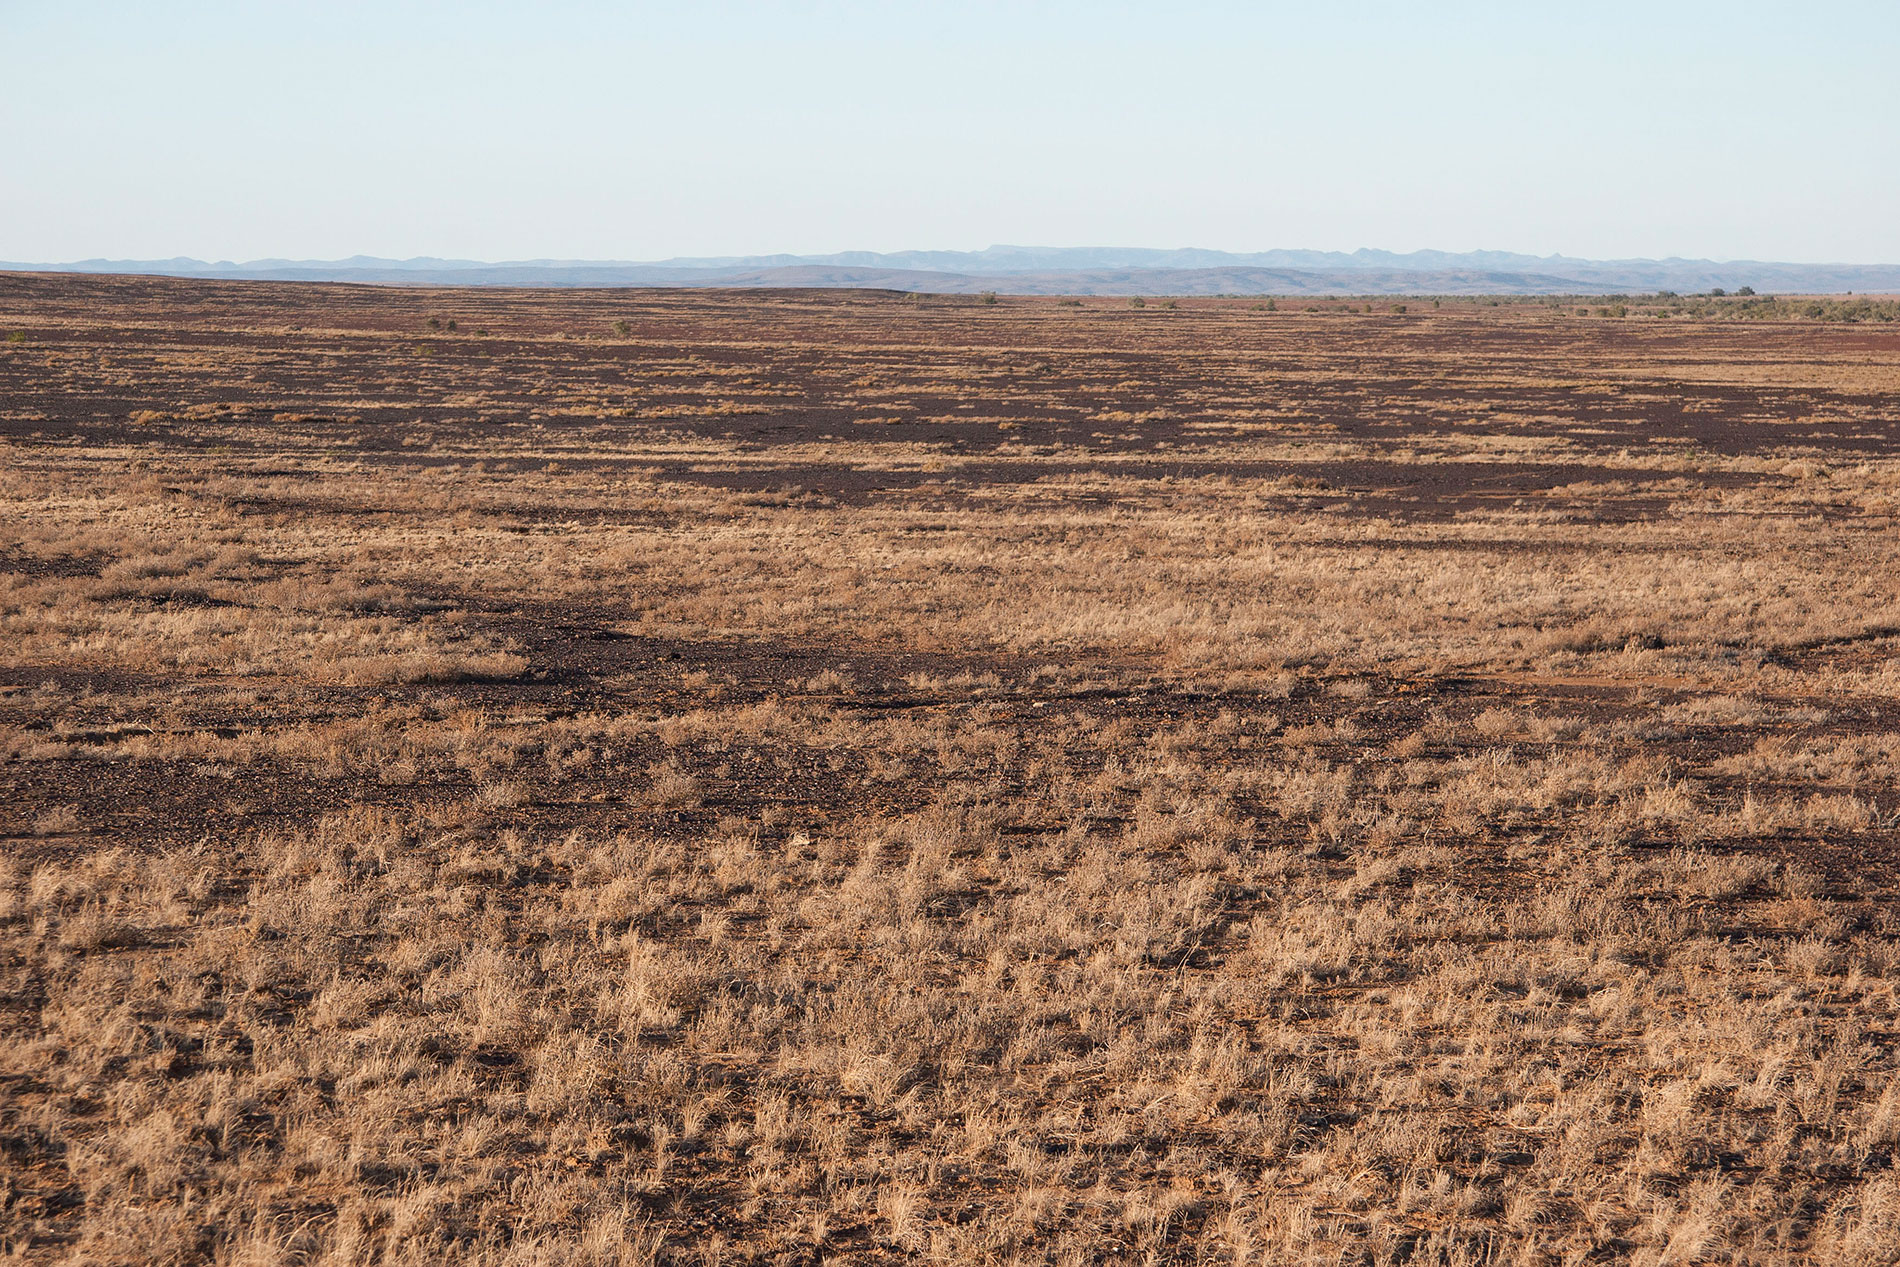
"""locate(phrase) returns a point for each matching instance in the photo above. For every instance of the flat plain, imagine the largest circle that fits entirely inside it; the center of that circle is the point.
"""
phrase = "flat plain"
(794, 777)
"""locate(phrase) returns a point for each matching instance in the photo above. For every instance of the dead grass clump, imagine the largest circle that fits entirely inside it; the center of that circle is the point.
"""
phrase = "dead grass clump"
(58, 821)
(670, 787)
(504, 793)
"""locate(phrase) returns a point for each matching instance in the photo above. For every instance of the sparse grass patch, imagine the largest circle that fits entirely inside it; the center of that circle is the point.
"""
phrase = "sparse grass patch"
(1198, 790)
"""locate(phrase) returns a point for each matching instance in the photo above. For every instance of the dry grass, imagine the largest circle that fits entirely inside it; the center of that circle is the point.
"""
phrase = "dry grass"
(1309, 788)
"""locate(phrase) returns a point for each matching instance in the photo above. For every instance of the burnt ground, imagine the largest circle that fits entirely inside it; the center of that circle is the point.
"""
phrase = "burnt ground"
(275, 381)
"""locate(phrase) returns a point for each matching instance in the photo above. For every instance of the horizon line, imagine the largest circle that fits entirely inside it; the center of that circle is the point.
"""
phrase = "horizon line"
(738, 258)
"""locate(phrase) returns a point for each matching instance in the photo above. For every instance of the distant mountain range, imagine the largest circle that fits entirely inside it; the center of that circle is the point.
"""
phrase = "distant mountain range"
(1027, 270)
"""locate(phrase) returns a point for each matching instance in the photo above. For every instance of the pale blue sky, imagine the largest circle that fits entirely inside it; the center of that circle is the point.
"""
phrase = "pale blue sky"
(634, 131)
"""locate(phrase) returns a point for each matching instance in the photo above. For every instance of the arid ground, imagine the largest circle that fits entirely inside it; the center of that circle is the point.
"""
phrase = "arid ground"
(623, 777)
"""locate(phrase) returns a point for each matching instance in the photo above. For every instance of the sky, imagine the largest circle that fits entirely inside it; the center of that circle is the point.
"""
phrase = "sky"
(633, 131)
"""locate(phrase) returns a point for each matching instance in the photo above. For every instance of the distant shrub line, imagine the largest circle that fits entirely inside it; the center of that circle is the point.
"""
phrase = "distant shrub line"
(1749, 307)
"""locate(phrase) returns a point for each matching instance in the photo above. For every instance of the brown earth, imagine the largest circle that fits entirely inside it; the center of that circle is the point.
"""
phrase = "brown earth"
(792, 777)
